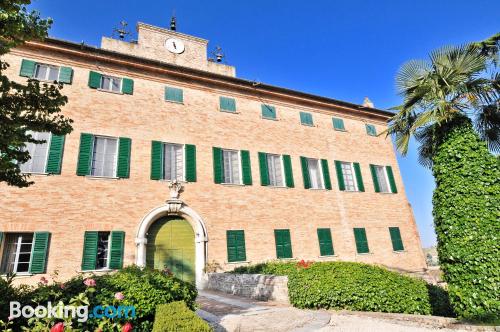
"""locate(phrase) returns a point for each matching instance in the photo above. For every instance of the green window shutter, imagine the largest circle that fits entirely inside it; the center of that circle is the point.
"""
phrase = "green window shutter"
(287, 165)
(246, 167)
(1, 238)
(325, 241)
(338, 124)
(236, 251)
(264, 173)
(190, 162)
(390, 176)
(217, 155)
(370, 130)
(305, 172)
(268, 111)
(227, 104)
(340, 175)
(84, 154)
(326, 174)
(283, 243)
(361, 241)
(54, 159)
(397, 242)
(94, 80)
(359, 177)
(375, 178)
(39, 252)
(89, 258)
(156, 160)
(306, 118)
(123, 168)
(127, 86)
(65, 75)
(27, 68)
(174, 94)
(116, 249)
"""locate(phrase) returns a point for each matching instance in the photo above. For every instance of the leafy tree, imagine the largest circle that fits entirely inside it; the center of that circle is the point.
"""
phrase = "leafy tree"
(24, 106)
(451, 105)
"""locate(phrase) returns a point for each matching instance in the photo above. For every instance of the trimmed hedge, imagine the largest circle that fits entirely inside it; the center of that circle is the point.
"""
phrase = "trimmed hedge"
(355, 286)
(177, 317)
(467, 221)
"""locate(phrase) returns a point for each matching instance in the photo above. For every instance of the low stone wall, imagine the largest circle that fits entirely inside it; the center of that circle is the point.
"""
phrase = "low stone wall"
(255, 286)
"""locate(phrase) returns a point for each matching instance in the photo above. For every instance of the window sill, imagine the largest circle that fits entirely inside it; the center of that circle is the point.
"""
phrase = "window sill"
(230, 112)
(233, 184)
(364, 253)
(96, 271)
(287, 259)
(341, 130)
(318, 189)
(46, 81)
(328, 256)
(352, 191)
(399, 251)
(174, 102)
(277, 187)
(109, 91)
(169, 181)
(94, 177)
(266, 118)
(37, 174)
(240, 262)
(19, 275)
(307, 125)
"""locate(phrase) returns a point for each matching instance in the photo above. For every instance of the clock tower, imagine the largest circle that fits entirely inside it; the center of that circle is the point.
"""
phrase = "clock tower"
(169, 46)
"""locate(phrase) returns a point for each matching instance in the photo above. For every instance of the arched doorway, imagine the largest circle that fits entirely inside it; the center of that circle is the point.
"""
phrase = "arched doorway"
(171, 245)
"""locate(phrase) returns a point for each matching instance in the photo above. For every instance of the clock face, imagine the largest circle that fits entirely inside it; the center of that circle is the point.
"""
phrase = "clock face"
(174, 45)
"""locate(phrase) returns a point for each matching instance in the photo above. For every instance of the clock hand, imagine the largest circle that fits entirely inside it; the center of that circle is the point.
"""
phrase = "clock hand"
(175, 46)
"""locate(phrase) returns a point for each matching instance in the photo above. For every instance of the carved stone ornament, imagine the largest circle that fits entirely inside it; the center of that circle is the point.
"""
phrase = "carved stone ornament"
(175, 189)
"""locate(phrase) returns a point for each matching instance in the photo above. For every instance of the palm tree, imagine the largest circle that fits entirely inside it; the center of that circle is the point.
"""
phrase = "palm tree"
(451, 106)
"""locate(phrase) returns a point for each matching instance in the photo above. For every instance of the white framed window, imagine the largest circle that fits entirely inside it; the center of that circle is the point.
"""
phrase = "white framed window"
(45, 72)
(315, 173)
(110, 83)
(173, 162)
(349, 177)
(275, 170)
(104, 156)
(16, 254)
(38, 154)
(103, 242)
(383, 180)
(232, 167)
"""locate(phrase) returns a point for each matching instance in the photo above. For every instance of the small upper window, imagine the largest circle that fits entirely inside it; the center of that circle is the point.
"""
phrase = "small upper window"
(173, 164)
(315, 173)
(268, 112)
(349, 178)
(306, 119)
(17, 253)
(174, 94)
(104, 156)
(382, 179)
(102, 259)
(370, 130)
(45, 72)
(227, 104)
(338, 124)
(275, 170)
(38, 154)
(110, 83)
(231, 166)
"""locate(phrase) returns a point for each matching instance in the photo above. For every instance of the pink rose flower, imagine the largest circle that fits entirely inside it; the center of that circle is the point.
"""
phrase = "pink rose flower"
(44, 280)
(127, 327)
(62, 286)
(119, 296)
(89, 282)
(10, 318)
(59, 327)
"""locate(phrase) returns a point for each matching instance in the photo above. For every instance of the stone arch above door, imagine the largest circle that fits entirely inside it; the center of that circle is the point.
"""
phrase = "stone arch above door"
(175, 207)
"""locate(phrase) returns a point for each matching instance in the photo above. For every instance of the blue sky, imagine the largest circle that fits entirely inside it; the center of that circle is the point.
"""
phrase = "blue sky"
(340, 49)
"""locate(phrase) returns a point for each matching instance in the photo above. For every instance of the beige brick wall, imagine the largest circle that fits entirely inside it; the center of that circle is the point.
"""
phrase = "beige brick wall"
(67, 205)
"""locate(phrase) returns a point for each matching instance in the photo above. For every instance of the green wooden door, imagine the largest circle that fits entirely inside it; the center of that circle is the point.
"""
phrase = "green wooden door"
(171, 245)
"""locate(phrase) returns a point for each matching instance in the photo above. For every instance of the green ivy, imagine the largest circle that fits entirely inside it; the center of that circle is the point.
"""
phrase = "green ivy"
(467, 221)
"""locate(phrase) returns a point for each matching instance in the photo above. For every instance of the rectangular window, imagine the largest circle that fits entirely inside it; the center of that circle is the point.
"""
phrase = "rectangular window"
(268, 112)
(45, 72)
(231, 166)
(275, 170)
(361, 241)
(383, 182)
(338, 124)
(370, 130)
(110, 83)
(173, 164)
(102, 259)
(315, 173)
(397, 242)
(306, 119)
(38, 154)
(16, 254)
(325, 242)
(227, 104)
(104, 156)
(236, 251)
(348, 175)
(283, 243)
(174, 94)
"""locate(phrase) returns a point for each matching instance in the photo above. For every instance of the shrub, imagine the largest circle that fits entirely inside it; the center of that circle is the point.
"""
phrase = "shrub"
(466, 216)
(176, 317)
(355, 286)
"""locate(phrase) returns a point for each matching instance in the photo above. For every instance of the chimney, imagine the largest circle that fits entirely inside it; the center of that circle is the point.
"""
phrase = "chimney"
(368, 103)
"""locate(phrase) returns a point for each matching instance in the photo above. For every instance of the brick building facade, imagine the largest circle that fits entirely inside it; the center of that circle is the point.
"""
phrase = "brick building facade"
(266, 172)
